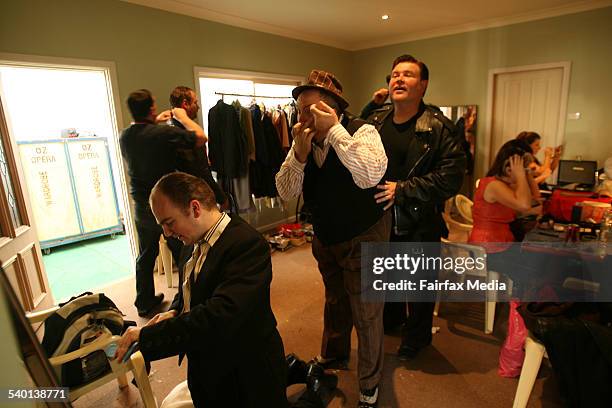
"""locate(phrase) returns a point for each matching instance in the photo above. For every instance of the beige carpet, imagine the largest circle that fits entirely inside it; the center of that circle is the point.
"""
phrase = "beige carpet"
(458, 370)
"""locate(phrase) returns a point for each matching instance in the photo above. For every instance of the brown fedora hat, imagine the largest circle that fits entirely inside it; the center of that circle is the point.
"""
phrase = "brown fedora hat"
(323, 81)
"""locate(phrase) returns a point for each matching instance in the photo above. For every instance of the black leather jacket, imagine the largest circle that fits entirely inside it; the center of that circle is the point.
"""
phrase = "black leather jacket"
(437, 164)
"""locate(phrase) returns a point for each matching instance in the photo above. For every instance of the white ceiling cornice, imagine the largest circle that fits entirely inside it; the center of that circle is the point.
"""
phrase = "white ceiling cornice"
(492, 23)
(180, 7)
(176, 6)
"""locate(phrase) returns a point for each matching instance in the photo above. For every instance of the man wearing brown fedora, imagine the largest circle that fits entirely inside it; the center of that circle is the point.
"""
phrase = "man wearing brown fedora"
(337, 160)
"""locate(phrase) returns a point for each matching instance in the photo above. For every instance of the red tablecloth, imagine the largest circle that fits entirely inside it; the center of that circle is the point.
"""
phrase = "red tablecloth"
(560, 204)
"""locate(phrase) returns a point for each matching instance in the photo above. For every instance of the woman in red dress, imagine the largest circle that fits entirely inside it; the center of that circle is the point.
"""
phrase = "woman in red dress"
(506, 190)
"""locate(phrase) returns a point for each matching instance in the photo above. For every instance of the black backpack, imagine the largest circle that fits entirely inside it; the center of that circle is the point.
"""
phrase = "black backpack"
(76, 323)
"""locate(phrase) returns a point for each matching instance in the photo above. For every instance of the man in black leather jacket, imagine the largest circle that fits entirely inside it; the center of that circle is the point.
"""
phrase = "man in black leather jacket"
(425, 167)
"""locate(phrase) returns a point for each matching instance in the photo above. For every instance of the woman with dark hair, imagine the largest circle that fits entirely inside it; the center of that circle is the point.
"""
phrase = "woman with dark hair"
(505, 191)
(541, 171)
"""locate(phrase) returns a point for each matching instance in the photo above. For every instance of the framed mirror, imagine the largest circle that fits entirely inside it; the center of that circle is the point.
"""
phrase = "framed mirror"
(466, 119)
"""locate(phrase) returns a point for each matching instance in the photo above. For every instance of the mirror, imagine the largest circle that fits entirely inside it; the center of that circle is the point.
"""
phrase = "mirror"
(465, 117)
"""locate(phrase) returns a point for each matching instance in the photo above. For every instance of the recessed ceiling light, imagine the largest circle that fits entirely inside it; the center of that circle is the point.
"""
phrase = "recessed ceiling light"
(385, 17)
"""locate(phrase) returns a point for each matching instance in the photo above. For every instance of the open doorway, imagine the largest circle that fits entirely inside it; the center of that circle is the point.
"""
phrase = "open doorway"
(63, 121)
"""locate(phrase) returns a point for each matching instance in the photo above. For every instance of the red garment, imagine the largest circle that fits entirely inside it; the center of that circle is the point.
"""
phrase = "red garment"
(491, 221)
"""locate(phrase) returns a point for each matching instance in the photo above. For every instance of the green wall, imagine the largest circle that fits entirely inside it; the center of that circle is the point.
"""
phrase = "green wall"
(459, 66)
(153, 49)
(157, 50)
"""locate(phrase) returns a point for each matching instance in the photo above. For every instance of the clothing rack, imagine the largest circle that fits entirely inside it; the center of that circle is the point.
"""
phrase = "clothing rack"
(252, 95)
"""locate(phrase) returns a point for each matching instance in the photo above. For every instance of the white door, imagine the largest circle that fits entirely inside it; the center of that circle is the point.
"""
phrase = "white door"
(20, 254)
(528, 99)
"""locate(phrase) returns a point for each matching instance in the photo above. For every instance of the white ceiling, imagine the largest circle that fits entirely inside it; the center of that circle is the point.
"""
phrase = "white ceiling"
(357, 24)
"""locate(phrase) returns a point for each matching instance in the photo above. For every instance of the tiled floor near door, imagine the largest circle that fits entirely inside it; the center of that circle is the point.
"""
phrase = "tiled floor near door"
(83, 266)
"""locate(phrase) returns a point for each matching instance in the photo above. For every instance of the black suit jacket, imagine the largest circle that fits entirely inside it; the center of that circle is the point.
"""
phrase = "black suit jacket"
(226, 142)
(234, 351)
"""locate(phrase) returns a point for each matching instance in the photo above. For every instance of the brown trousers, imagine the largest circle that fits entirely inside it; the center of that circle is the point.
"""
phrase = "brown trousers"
(340, 267)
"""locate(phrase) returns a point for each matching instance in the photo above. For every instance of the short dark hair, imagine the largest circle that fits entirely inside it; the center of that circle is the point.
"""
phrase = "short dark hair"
(529, 138)
(181, 188)
(140, 102)
(424, 71)
(388, 78)
(180, 94)
(509, 149)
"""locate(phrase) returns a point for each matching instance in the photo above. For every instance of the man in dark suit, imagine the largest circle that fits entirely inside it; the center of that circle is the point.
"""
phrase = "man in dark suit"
(222, 319)
(150, 151)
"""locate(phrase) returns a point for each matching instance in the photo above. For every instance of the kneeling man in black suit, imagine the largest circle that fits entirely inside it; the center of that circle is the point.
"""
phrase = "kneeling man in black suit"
(221, 318)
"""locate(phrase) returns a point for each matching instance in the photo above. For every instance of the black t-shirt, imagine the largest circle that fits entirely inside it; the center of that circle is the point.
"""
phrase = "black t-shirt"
(396, 139)
(151, 152)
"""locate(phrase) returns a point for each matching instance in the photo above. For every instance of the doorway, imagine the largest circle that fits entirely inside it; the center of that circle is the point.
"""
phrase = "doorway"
(528, 98)
(62, 119)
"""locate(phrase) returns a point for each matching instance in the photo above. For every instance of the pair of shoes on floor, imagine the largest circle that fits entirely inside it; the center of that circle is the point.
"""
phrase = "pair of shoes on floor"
(157, 301)
(368, 398)
(332, 363)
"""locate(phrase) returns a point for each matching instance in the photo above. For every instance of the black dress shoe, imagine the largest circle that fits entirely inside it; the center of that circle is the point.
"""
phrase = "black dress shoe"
(406, 352)
(297, 370)
(320, 382)
(157, 300)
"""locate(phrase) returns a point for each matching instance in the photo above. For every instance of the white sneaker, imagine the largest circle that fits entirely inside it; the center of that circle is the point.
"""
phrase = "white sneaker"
(368, 398)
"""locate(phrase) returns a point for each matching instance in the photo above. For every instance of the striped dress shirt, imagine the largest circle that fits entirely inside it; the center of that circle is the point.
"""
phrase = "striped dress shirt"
(363, 154)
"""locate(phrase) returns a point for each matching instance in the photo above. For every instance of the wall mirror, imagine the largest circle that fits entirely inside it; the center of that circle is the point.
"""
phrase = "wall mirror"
(466, 119)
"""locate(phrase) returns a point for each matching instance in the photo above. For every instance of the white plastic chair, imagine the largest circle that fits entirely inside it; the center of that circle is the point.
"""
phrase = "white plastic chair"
(464, 206)
(455, 249)
(164, 261)
(455, 228)
(119, 370)
(534, 352)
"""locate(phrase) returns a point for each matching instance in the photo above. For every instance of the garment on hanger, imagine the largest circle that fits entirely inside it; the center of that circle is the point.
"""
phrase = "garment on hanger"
(239, 187)
(226, 141)
(269, 154)
(247, 127)
(279, 119)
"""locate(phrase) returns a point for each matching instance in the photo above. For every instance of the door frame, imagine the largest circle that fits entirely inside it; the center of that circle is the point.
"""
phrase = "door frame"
(565, 65)
(110, 72)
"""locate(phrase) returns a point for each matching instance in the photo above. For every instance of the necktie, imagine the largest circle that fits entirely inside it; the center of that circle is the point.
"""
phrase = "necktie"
(192, 268)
